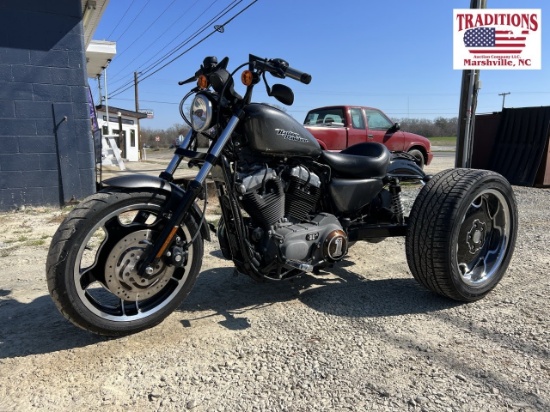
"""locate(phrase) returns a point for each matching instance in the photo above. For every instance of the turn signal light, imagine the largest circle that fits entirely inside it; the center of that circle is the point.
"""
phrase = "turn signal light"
(247, 77)
(202, 82)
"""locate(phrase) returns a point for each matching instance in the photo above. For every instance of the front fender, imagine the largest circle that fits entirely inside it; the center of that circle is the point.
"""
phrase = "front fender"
(405, 169)
(139, 181)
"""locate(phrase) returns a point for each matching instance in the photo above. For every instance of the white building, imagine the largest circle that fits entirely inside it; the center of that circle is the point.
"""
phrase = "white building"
(130, 144)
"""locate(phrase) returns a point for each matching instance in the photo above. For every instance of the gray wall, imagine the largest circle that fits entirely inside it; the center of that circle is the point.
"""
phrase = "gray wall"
(46, 148)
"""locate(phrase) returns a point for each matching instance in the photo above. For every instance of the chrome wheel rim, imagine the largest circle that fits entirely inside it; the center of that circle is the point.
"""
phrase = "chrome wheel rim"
(483, 238)
(105, 275)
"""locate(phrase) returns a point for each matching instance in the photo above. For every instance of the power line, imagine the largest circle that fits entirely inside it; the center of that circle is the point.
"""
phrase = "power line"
(139, 68)
(132, 22)
(128, 86)
(146, 101)
(207, 36)
(151, 66)
(147, 29)
(222, 13)
(123, 15)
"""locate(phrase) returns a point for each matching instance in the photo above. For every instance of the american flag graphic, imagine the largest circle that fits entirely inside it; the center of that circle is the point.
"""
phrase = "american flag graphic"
(486, 40)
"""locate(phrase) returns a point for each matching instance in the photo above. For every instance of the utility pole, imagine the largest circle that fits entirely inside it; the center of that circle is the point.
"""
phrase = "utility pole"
(99, 88)
(106, 97)
(136, 98)
(503, 98)
(467, 107)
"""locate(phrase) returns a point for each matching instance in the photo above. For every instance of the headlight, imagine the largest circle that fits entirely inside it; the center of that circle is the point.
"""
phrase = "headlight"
(201, 113)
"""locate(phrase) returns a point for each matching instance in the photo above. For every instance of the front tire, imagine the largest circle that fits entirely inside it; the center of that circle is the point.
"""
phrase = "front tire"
(462, 232)
(91, 263)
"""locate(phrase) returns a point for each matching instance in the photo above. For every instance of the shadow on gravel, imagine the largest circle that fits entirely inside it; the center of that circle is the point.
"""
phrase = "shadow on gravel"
(37, 328)
(340, 293)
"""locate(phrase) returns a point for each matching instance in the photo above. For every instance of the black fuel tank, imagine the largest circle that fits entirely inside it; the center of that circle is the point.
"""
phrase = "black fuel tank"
(271, 131)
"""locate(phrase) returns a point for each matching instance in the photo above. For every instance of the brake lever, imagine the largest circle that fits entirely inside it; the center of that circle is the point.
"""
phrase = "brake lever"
(189, 80)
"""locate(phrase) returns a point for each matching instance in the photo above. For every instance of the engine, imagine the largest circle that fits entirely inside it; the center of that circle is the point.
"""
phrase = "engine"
(285, 229)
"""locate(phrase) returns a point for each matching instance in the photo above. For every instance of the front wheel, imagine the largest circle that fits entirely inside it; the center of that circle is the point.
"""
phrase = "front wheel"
(462, 232)
(91, 264)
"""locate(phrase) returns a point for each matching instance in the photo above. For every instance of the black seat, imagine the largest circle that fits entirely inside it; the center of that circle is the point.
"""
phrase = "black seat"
(362, 160)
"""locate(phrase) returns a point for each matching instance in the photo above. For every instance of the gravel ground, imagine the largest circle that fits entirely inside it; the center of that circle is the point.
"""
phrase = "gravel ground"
(366, 337)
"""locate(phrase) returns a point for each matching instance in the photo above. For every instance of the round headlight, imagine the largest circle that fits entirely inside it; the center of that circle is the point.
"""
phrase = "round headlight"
(201, 113)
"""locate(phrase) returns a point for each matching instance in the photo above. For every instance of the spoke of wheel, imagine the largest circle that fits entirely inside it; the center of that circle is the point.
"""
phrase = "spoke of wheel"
(483, 272)
(112, 225)
(466, 269)
(496, 227)
(129, 308)
(141, 217)
(494, 215)
(88, 277)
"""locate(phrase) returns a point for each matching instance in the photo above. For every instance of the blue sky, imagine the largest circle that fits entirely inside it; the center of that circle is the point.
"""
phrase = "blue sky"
(396, 55)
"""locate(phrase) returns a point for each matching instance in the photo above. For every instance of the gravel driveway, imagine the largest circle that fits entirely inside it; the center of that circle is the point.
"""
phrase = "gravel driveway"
(366, 337)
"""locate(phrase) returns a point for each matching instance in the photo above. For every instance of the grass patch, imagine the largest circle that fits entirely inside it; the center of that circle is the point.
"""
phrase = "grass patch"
(57, 219)
(443, 141)
(35, 242)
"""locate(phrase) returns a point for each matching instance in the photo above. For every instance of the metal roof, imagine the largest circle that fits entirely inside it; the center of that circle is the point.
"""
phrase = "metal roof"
(124, 112)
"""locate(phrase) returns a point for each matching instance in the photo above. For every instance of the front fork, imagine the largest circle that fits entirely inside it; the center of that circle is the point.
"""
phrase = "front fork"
(160, 245)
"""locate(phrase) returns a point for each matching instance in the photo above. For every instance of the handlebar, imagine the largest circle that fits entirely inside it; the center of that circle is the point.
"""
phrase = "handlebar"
(277, 67)
(280, 68)
(298, 75)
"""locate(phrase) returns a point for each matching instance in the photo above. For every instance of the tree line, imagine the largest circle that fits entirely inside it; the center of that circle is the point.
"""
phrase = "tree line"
(438, 127)
(167, 137)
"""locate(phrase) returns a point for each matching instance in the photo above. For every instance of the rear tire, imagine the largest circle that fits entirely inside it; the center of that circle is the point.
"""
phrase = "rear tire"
(91, 264)
(462, 233)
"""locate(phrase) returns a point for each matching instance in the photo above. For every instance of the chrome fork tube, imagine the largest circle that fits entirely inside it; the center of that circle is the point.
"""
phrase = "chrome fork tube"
(175, 162)
(193, 190)
(216, 150)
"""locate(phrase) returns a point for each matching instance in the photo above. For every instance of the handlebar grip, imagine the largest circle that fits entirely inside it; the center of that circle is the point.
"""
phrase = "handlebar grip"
(298, 75)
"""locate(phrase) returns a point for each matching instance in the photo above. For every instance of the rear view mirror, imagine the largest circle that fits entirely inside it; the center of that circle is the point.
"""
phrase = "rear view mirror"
(282, 93)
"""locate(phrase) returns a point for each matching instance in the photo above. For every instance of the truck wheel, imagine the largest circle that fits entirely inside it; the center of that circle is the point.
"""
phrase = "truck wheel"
(462, 232)
(418, 156)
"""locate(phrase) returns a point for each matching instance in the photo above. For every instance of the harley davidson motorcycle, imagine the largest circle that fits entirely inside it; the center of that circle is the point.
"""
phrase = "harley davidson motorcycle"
(127, 256)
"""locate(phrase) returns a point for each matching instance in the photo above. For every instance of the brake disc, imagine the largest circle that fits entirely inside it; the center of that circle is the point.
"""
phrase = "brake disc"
(121, 275)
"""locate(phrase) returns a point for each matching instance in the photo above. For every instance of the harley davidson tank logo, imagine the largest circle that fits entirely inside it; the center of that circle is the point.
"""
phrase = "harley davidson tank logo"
(288, 135)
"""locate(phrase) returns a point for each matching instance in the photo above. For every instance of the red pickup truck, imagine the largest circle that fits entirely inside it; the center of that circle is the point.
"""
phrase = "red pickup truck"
(337, 127)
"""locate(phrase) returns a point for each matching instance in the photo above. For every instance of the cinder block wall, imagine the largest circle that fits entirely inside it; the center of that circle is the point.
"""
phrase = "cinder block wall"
(46, 147)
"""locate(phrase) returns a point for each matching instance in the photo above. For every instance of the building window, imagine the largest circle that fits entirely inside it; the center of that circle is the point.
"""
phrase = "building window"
(132, 138)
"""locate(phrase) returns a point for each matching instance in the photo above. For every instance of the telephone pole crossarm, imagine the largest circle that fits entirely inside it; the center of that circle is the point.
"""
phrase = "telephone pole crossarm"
(504, 97)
